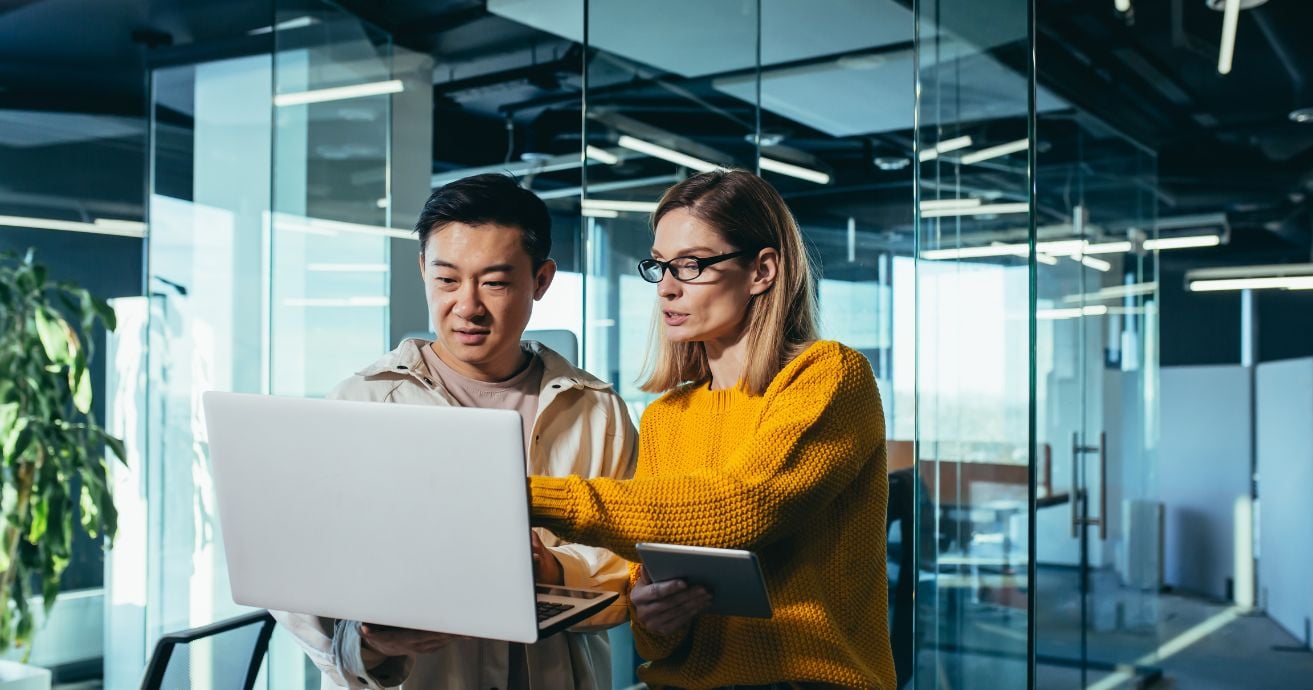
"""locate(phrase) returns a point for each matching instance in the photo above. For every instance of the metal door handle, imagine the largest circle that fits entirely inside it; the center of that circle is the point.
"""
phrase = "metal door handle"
(1079, 494)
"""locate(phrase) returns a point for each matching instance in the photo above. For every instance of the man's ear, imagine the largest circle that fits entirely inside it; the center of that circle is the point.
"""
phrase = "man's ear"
(765, 269)
(421, 264)
(542, 278)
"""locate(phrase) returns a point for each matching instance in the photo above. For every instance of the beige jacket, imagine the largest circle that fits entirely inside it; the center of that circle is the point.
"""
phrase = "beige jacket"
(583, 428)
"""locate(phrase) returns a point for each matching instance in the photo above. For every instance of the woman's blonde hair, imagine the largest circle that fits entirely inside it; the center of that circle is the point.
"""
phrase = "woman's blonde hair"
(781, 322)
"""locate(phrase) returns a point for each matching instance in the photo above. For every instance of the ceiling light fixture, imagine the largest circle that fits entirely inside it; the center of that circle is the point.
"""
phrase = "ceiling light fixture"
(297, 23)
(1287, 283)
(601, 155)
(982, 210)
(1302, 115)
(322, 226)
(618, 205)
(1096, 264)
(1115, 292)
(944, 147)
(339, 93)
(891, 163)
(995, 151)
(1183, 242)
(101, 226)
(599, 213)
(665, 154)
(794, 171)
(1271, 276)
(1225, 53)
(1072, 313)
(933, 204)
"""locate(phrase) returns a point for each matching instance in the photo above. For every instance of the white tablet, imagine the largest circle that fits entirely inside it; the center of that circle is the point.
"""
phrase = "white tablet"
(733, 577)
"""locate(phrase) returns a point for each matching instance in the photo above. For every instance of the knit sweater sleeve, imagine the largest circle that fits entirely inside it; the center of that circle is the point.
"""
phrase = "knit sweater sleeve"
(820, 424)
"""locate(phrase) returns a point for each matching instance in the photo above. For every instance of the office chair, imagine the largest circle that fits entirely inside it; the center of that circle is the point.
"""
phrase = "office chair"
(235, 648)
(901, 554)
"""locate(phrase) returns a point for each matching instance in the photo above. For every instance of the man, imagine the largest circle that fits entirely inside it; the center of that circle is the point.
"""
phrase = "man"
(484, 246)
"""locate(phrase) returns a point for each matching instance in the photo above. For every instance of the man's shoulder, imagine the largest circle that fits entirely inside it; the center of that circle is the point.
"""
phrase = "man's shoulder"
(366, 387)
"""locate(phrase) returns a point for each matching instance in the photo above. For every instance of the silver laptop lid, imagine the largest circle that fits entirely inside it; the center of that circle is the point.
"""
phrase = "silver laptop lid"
(404, 515)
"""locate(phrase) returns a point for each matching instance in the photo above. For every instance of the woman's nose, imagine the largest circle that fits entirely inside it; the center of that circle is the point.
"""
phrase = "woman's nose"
(668, 286)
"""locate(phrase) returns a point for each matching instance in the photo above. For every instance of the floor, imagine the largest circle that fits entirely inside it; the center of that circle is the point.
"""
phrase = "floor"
(1177, 641)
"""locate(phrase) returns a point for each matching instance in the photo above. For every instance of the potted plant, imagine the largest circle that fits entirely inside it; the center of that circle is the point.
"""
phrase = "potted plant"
(54, 452)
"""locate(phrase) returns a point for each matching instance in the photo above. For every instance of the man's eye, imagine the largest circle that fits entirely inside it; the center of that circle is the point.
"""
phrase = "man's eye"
(496, 283)
(445, 280)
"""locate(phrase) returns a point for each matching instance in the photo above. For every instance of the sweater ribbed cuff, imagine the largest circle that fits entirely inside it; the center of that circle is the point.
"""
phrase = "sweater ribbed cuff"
(551, 501)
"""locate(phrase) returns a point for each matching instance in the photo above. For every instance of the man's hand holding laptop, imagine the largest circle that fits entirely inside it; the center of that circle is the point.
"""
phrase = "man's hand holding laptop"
(383, 641)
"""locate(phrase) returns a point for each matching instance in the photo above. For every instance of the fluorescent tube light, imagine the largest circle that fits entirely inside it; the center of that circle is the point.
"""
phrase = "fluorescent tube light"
(1096, 264)
(944, 147)
(995, 151)
(1072, 313)
(665, 154)
(339, 93)
(130, 228)
(601, 155)
(794, 171)
(321, 226)
(1046, 259)
(986, 209)
(1183, 242)
(599, 213)
(101, 226)
(618, 205)
(933, 204)
(297, 23)
(1230, 17)
(1279, 282)
(1107, 248)
(1115, 292)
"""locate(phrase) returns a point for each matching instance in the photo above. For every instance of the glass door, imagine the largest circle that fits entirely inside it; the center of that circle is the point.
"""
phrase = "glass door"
(1099, 529)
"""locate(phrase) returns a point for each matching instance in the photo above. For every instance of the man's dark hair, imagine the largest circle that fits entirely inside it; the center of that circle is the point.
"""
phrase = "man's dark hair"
(490, 199)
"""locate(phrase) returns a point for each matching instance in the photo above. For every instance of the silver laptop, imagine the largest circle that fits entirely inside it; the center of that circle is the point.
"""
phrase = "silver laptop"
(402, 515)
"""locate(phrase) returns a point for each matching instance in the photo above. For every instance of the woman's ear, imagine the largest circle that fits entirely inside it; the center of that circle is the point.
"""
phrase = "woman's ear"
(764, 271)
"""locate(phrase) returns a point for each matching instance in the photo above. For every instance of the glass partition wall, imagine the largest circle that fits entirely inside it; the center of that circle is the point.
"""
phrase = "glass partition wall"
(268, 271)
(985, 245)
(976, 461)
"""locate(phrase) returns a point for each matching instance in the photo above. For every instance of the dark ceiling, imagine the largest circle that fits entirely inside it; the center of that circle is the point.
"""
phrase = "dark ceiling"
(1223, 143)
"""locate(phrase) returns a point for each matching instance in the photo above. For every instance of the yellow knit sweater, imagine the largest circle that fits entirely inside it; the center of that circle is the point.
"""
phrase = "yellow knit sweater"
(796, 475)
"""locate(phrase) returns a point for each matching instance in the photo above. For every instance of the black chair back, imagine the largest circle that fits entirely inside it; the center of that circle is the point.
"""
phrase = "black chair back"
(234, 649)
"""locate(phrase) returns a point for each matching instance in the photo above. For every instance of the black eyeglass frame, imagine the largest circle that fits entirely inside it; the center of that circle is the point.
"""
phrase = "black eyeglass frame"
(701, 264)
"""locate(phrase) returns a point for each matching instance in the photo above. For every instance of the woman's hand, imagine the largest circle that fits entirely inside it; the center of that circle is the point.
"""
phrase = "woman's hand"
(665, 607)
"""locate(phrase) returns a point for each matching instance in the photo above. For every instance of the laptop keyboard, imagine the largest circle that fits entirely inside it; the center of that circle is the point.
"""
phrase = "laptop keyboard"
(549, 610)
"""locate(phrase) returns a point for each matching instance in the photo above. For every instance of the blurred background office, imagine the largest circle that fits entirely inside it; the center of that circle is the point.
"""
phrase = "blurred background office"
(1074, 238)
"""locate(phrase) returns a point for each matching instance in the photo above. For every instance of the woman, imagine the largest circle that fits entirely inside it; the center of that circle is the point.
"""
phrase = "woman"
(766, 439)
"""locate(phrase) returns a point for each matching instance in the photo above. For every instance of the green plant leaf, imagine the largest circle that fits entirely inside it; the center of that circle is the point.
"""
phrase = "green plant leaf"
(89, 511)
(82, 392)
(37, 511)
(54, 333)
(20, 437)
(117, 446)
(8, 417)
(105, 312)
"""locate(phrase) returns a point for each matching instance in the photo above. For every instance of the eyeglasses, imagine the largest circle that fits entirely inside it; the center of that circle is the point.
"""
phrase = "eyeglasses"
(683, 268)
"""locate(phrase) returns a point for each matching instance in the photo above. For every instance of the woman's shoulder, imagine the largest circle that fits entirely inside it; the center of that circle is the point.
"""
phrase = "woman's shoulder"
(822, 356)
(825, 365)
